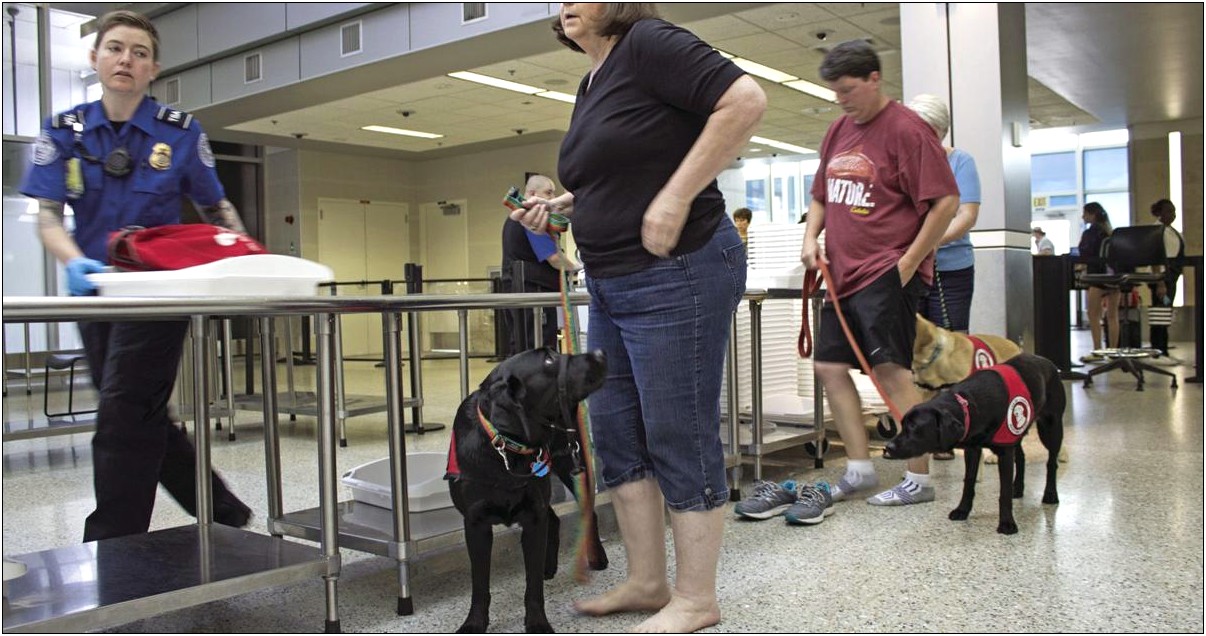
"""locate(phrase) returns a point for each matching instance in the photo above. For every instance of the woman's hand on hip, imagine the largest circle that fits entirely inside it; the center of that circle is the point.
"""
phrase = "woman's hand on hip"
(663, 223)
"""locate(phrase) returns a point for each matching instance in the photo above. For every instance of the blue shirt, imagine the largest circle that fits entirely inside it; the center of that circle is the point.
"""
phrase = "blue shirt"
(958, 254)
(542, 244)
(169, 154)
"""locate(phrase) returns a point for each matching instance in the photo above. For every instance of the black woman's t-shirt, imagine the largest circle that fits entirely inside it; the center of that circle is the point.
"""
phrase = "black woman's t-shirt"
(630, 130)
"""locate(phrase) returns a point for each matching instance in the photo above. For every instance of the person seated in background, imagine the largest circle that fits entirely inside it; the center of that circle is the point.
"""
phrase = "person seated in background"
(543, 262)
(741, 219)
(1041, 243)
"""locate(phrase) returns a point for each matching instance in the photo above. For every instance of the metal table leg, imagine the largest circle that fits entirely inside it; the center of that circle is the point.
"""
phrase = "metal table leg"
(326, 466)
(391, 327)
(228, 376)
(272, 447)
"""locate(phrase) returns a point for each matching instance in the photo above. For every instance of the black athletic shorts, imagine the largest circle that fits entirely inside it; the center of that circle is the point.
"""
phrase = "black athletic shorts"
(882, 317)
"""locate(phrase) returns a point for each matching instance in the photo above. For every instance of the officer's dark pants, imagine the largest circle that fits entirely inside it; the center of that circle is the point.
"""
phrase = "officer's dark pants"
(136, 445)
(521, 327)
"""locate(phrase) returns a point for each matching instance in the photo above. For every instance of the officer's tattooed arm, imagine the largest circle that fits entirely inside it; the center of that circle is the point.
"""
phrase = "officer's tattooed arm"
(52, 232)
(224, 214)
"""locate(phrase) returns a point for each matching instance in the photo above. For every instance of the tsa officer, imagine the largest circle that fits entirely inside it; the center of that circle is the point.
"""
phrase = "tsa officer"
(120, 161)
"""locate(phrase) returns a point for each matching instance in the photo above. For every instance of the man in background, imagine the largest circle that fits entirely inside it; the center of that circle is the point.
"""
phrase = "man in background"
(1043, 244)
(535, 260)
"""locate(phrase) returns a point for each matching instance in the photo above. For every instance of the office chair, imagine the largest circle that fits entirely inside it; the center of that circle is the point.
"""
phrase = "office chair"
(1125, 250)
(59, 361)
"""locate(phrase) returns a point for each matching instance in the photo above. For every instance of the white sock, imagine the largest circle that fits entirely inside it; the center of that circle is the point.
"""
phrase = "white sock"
(919, 479)
(858, 469)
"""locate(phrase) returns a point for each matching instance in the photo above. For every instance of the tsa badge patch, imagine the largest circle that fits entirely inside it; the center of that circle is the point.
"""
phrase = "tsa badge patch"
(44, 152)
(203, 151)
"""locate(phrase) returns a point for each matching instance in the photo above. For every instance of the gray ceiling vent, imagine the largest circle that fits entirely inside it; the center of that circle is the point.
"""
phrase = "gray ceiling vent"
(252, 68)
(171, 92)
(349, 39)
(471, 11)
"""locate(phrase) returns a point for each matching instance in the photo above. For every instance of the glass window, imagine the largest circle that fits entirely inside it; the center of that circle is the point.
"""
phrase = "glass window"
(1116, 204)
(1105, 169)
(755, 194)
(1062, 201)
(1053, 172)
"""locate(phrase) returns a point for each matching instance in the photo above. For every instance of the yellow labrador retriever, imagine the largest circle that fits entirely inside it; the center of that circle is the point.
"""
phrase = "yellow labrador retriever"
(942, 358)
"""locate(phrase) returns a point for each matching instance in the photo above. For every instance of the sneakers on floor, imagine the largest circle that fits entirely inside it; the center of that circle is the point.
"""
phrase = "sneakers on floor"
(844, 489)
(813, 504)
(905, 493)
(769, 499)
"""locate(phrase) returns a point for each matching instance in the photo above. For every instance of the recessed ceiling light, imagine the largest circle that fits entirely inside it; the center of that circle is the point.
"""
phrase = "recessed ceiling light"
(763, 71)
(812, 88)
(559, 96)
(401, 131)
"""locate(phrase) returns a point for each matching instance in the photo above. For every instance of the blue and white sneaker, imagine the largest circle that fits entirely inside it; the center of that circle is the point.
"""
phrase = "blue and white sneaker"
(769, 499)
(813, 504)
(903, 494)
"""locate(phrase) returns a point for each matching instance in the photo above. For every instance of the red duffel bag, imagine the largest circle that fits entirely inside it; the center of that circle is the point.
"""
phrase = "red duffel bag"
(170, 247)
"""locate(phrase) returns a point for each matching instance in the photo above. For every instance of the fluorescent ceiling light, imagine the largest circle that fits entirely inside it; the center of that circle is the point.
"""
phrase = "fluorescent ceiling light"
(780, 77)
(496, 83)
(816, 90)
(401, 131)
(559, 96)
(782, 145)
(763, 71)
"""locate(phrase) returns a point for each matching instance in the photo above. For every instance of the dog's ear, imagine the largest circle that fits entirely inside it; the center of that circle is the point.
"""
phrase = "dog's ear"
(926, 334)
(507, 391)
(950, 422)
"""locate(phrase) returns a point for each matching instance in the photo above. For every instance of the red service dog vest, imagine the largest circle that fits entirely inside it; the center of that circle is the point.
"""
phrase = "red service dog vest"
(982, 356)
(1018, 416)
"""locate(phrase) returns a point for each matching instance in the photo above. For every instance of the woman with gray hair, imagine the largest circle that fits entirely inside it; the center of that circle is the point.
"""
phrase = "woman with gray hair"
(949, 302)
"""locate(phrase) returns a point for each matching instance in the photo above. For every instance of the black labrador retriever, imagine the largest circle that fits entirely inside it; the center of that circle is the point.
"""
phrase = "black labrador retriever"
(993, 408)
(506, 437)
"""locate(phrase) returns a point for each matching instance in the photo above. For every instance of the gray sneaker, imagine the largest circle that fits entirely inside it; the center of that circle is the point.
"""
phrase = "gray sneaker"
(844, 490)
(905, 493)
(813, 504)
(769, 499)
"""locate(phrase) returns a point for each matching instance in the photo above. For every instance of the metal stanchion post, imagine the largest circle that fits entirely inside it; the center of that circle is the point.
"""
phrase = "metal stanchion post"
(756, 382)
(734, 417)
(462, 316)
(228, 377)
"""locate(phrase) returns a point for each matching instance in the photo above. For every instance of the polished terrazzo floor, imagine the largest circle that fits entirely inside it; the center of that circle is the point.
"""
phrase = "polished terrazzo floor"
(1122, 552)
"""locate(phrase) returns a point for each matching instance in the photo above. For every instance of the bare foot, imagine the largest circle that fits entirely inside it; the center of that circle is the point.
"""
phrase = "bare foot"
(627, 597)
(681, 616)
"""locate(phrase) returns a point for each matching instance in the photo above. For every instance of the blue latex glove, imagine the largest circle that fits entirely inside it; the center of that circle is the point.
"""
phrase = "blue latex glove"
(77, 282)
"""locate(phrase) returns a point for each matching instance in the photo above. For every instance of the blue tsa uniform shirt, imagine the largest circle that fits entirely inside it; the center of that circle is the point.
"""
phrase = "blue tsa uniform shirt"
(113, 179)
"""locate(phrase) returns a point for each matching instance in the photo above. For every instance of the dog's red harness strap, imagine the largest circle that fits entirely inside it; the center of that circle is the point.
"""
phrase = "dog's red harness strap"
(452, 470)
(1020, 413)
(966, 415)
(982, 356)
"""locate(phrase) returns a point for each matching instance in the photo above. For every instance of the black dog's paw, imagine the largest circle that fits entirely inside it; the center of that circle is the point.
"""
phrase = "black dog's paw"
(958, 514)
(1007, 527)
(550, 570)
(538, 627)
(1050, 498)
(472, 627)
(1018, 491)
(599, 563)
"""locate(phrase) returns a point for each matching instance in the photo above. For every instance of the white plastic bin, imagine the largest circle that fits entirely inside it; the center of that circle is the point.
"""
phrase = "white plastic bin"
(424, 482)
(257, 275)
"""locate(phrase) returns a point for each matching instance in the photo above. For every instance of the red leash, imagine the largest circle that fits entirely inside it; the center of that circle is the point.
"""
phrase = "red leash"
(804, 343)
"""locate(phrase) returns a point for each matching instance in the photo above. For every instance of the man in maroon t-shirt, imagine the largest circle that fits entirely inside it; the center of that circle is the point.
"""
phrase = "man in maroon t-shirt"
(884, 193)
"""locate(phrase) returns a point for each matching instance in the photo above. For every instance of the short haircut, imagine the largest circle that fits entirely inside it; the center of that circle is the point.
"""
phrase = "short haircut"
(853, 58)
(538, 182)
(743, 213)
(618, 18)
(129, 19)
(1037, 230)
(1163, 206)
(934, 112)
